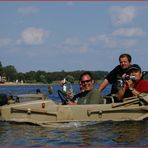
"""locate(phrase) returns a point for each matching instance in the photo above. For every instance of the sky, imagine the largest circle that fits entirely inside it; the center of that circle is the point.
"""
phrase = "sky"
(69, 36)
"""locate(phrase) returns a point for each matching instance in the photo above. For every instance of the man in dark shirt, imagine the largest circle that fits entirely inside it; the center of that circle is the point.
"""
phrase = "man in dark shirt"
(116, 73)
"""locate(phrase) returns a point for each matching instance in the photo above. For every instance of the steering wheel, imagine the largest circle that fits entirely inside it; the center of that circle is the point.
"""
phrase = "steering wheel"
(63, 97)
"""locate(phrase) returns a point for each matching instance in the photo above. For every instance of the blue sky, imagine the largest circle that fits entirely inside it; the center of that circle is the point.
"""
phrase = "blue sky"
(55, 36)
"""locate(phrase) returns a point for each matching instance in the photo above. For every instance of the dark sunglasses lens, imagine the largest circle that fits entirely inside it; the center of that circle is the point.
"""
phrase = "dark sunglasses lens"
(87, 81)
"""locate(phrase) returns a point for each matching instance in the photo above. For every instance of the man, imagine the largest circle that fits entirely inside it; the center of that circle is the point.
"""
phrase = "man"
(116, 73)
(88, 94)
(133, 87)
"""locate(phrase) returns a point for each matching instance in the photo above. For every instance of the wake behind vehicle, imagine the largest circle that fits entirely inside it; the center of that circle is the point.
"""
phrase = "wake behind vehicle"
(39, 109)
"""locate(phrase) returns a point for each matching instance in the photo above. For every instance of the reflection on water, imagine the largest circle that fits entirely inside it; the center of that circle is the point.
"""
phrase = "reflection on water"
(97, 134)
(132, 133)
(70, 134)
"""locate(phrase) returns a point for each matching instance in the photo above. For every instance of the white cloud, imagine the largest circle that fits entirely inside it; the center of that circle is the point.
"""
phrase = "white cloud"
(33, 36)
(110, 41)
(128, 32)
(27, 10)
(122, 15)
(128, 43)
(104, 40)
(73, 45)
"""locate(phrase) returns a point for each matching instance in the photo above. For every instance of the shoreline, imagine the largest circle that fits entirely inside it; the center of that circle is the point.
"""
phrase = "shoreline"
(21, 84)
(17, 84)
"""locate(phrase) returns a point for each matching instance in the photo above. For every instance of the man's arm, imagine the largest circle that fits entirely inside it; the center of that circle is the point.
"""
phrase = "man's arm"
(128, 85)
(120, 93)
(103, 85)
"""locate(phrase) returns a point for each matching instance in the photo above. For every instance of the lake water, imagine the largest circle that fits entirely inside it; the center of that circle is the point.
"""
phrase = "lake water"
(70, 134)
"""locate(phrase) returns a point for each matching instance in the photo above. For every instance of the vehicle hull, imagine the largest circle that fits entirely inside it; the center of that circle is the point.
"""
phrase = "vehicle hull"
(46, 112)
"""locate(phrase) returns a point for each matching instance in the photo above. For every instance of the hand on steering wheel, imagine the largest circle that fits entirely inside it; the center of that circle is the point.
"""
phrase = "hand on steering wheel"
(63, 97)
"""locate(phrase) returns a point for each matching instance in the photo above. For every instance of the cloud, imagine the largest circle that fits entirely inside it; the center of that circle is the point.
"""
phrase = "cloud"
(33, 36)
(127, 43)
(111, 42)
(103, 40)
(73, 45)
(128, 32)
(122, 15)
(27, 10)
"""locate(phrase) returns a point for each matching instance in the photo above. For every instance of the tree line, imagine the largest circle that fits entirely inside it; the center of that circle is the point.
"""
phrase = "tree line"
(11, 75)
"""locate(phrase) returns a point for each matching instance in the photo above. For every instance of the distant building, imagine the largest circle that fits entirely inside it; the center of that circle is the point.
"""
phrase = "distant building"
(2, 79)
(16, 81)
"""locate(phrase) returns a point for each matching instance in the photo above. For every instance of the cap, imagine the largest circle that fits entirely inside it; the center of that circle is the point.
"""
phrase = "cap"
(134, 67)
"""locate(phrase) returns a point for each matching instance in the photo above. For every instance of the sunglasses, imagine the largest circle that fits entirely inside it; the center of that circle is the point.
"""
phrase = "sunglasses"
(86, 81)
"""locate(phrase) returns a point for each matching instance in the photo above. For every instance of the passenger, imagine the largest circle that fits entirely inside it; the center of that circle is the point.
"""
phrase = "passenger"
(88, 95)
(50, 89)
(134, 86)
(116, 73)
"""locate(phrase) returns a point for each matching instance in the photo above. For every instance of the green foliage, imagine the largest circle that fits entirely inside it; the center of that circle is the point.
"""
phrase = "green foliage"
(45, 77)
(1, 69)
(70, 78)
(145, 73)
(48, 77)
(10, 72)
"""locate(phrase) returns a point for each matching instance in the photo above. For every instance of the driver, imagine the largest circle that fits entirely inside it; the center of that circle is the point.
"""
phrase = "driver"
(88, 94)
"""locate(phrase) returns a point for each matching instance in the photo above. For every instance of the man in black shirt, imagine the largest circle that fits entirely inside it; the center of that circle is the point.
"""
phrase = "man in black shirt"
(117, 72)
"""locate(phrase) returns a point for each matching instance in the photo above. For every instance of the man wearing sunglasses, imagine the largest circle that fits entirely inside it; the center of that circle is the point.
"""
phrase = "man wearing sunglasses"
(88, 95)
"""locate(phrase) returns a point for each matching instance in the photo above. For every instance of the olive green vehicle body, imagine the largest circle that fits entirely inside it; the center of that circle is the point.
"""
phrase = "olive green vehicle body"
(40, 110)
